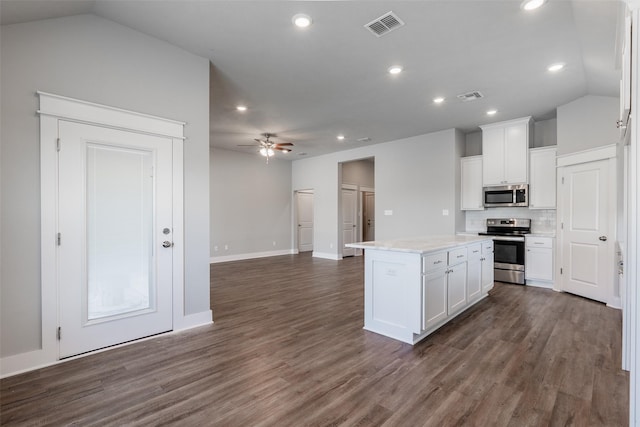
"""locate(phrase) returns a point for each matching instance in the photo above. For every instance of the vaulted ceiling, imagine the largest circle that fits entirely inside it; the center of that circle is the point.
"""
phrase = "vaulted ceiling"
(311, 85)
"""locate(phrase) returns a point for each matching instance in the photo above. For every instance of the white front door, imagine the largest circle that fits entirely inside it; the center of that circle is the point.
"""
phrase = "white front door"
(304, 200)
(369, 209)
(586, 246)
(349, 214)
(114, 220)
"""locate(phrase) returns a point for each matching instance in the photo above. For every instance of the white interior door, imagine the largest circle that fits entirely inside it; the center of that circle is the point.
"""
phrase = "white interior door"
(586, 246)
(115, 204)
(304, 200)
(349, 214)
(369, 208)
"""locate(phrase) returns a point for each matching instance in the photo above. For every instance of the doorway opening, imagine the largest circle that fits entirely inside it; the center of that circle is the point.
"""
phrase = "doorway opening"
(357, 203)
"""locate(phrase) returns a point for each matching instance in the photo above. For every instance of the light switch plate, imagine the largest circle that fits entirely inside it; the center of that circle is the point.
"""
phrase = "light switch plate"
(388, 212)
(445, 212)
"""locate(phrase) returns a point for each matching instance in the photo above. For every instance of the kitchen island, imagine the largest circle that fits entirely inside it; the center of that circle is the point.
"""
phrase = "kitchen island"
(414, 286)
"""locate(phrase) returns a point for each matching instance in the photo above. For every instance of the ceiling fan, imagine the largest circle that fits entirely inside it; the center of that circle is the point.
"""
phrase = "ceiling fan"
(268, 148)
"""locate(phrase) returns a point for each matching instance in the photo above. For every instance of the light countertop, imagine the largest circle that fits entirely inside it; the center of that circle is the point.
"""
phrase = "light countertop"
(420, 244)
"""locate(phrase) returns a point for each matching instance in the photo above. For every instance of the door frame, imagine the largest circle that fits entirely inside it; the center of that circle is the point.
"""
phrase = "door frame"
(295, 244)
(354, 188)
(608, 153)
(52, 109)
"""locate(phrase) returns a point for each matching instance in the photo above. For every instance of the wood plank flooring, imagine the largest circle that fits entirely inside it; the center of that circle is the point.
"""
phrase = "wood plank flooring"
(287, 349)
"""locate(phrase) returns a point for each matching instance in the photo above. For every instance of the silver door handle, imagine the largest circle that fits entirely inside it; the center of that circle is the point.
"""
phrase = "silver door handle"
(167, 244)
(603, 238)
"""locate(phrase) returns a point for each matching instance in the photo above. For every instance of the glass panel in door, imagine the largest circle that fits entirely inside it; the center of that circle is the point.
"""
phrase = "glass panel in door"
(119, 231)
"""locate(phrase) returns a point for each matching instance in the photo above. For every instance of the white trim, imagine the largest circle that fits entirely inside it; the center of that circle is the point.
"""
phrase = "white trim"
(353, 187)
(506, 123)
(586, 156)
(540, 284)
(251, 255)
(326, 255)
(90, 112)
(190, 321)
(52, 109)
(368, 189)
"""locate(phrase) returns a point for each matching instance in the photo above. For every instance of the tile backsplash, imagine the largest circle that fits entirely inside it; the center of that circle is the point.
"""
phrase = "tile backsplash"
(542, 220)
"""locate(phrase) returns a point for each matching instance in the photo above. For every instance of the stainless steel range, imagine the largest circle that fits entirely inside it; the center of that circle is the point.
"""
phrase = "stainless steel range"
(508, 247)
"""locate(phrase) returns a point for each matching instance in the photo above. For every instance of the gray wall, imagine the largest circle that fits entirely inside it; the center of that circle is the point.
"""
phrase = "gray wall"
(250, 203)
(587, 122)
(416, 178)
(92, 59)
(360, 172)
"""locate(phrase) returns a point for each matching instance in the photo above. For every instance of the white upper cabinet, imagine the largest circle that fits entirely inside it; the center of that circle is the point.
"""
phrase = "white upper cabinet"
(542, 178)
(505, 149)
(471, 183)
(625, 81)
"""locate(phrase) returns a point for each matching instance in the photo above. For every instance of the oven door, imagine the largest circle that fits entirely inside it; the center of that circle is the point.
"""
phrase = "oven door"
(508, 253)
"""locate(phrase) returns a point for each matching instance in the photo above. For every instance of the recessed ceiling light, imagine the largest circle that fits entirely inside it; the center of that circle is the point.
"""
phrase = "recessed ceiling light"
(438, 100)
(555, 67)
(301, 20)
(395, 69)
(532, 4)
(491, 112)
(340, 137)
(241, 108)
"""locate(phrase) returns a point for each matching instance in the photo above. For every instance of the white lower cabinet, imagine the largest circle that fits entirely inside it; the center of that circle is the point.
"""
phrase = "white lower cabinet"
(539, 261)
(409, 293)
(434, 297)
(487, 266)
(474, 272)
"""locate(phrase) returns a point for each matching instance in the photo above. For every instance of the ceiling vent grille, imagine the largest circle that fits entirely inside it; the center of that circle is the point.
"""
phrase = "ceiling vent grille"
(470, 96)
(384, 24)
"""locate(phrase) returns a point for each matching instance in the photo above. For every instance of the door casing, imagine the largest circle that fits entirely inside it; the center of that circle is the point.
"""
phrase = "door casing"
(53, 108)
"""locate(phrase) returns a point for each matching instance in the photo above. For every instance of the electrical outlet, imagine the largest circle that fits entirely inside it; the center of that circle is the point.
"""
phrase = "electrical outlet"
(330, 245)
(226, 247)
(215, 248)
(445, 212)
(388, 212)
(274, 243)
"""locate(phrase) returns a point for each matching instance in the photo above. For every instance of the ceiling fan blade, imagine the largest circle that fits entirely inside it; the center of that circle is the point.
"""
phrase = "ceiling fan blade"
(285, 150)
(284, 144)
(248, 145)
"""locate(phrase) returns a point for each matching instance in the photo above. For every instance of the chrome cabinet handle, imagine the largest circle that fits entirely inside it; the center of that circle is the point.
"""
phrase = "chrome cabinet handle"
(167, 244)
(603, 238)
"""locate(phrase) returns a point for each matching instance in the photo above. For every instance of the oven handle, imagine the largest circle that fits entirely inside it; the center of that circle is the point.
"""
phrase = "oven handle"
(508, 238)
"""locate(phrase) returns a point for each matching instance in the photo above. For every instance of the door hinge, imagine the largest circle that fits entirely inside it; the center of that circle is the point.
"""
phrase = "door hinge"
(59, 238)
(560, 270)
(59, 333)
(563, 179)
(562, 226)
(58, 144)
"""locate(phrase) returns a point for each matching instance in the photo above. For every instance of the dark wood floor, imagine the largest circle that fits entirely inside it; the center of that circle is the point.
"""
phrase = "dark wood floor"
(288, 349)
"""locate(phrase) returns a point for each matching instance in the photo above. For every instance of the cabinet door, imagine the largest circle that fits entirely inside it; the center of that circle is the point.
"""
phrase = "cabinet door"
(487, 272)
(471, 183)
(493, 156)
(516, 150)
(456, 288)
(539, 264)
(542, 179)
(474, 279)
(434, 297)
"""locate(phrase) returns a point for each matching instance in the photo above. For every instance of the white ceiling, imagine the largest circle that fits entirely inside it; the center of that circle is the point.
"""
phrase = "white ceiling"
(310, 85)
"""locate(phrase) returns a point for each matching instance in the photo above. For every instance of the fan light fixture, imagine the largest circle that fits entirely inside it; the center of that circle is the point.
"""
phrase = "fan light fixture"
(555, 67)
(267, 152)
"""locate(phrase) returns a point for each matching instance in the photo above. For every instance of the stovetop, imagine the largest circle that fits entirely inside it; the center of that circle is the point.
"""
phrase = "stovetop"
(504, 233)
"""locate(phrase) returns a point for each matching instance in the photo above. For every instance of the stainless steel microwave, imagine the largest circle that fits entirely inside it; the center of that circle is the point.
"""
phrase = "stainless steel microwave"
(506, 196)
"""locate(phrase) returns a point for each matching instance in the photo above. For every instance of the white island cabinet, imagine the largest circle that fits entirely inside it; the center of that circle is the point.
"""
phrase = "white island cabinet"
(414, 286)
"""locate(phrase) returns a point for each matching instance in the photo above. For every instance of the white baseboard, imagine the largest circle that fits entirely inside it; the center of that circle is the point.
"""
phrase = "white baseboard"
(251, 255)
(540, 284)
(615, 302)
(326, 255)
(193, 321)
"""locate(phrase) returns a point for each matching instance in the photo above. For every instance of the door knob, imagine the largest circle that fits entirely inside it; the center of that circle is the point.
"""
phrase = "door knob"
(603, 238)
(167, 244)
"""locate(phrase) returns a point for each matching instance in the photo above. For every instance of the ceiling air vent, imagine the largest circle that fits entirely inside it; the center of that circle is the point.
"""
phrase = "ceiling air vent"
(384, 24)
(470, 96)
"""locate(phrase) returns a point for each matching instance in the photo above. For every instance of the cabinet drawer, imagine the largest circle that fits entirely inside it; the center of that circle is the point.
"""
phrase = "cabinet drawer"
(434, 261)
(487, 248)
(474, 251)
(457, 256)
(539, 242)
